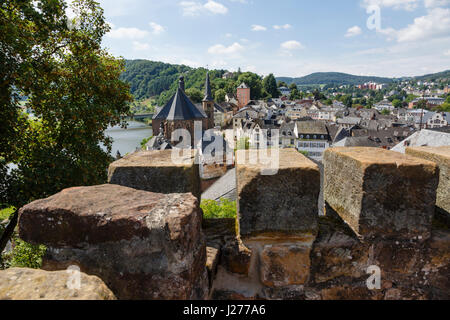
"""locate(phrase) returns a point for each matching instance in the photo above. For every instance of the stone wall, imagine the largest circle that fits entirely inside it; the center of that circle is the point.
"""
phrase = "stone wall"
(379, 214)
(150, 244)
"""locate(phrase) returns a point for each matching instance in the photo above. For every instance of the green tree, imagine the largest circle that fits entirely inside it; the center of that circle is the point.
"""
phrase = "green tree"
(422, 104)
(195, 95)
(74, 91)
(295, 94)
(281, 84)
(397, 103)
(347, 100)
(220, 95)
(293, 86)
(270, 85)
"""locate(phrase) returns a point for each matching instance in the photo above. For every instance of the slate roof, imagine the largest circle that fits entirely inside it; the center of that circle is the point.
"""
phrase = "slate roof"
(208, 95)
(180, 107)
(243, 86)
(356, 142)
(225, 187)
(311, 127)
(423, 138)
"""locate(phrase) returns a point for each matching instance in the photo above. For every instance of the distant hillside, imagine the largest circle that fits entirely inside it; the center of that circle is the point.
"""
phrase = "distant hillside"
(333, 78)
(149, 78)
(435, 76)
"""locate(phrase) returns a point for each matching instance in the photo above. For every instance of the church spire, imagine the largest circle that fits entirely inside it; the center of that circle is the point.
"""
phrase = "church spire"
(208, 95)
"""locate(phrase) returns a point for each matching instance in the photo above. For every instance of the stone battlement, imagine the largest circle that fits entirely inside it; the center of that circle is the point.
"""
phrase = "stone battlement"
(143, 234)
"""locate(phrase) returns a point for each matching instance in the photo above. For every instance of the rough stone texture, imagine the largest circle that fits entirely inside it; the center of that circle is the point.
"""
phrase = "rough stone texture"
(381, 193)
(410, 269)
(441, 156)
(212, 260)
(285, 264)
(337, 252)
(31, 284)
(235, 257)
(155, 171)
(219, 231)
(143, 245)
(285, 202)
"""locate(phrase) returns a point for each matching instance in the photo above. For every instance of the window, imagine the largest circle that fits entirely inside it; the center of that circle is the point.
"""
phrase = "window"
(307, 137)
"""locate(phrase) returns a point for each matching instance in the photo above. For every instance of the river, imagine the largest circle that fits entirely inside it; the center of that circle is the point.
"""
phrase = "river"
(127, 140)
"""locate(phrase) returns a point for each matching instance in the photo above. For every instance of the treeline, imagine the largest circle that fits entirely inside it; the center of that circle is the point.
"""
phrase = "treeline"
(149, 79)
(334, 78)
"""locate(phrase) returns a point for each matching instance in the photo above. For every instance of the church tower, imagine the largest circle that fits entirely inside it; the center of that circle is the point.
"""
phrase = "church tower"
(208, 103)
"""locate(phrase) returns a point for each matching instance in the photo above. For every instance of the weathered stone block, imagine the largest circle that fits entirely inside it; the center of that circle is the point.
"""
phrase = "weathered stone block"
(381, 193)
(283, 203)
(235, 257)
(285, 264)
(143, 245)
(166, 171)
(441, 156)
(31, 284)
(337, 252)
(212, 259)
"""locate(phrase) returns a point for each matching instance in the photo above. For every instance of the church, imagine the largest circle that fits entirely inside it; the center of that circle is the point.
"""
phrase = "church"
(181, 113)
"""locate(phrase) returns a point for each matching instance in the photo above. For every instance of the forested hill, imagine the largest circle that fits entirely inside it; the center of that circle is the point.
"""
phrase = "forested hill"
(149, 78)
(333, 78)
(160, 80)
(435, 76)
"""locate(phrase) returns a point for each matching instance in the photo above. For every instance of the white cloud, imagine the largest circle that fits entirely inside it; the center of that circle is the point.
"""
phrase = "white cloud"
(435, 24)
(447, 53)
(228, 35)
(285, 27)
(232, 50)
(291, 45)
(156, 28)
(408, 5)
(257, 27)
(353, 31)
(139, 46)
(436, 3)
(216, 7)
(194, 8)
(127, 33)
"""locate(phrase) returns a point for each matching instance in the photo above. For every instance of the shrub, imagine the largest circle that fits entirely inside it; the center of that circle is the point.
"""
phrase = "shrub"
(218, 210)
(24, 255)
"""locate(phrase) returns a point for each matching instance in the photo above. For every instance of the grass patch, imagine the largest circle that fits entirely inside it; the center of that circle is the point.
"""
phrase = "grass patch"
(218, 210)
(6, 213)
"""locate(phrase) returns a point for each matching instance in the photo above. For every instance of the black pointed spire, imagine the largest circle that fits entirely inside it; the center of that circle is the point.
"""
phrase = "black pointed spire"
(181, 83)
(208, 95)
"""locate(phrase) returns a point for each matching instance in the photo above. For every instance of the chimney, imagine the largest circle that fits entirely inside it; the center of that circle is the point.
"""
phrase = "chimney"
(181, 83)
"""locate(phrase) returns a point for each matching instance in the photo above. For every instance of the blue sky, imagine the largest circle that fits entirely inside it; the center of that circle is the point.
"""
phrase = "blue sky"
(285, 37)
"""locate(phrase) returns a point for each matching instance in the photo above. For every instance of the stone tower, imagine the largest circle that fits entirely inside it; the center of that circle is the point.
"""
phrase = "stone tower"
(243, 95)
(208, 103)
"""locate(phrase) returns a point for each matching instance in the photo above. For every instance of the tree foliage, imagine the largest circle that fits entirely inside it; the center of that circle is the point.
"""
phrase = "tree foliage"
(218, 210)
(270, 85)
(73, 88)
(195, 95)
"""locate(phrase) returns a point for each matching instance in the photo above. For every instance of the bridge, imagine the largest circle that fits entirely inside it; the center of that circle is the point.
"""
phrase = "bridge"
(141, 116)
